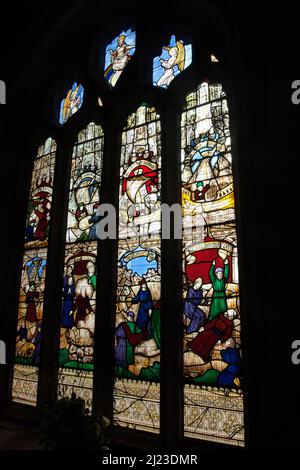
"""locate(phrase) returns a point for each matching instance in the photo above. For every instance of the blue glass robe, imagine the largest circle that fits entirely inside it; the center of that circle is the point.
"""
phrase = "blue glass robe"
(144, 298)
(67, 320)
(128, 336)
(192, 311)
(232, 371)
(93, 229)
(121, 348)
(22, 332)
(37, 351)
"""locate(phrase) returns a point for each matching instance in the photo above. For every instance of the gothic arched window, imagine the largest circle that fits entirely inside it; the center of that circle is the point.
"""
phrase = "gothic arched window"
(33, 276)
(212, 339)
(145, 328)
(137, 353)
(77, 324)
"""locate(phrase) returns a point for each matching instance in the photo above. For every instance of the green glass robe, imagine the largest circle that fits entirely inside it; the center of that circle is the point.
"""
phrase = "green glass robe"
(155, 325)
(218, 302)
(129, 347)
(93, 280)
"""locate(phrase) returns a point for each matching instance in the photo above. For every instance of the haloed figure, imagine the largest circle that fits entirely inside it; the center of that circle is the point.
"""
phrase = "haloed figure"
(119, 59)
(192, 310)
(176, 57)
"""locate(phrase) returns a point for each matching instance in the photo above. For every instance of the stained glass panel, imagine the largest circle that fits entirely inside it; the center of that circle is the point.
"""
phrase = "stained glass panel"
(71, 103)
(137, 346)
(40, 198)
(175, 57)
(212, 344)
(78, 321)
(85, 184)
(31, 297)
(213, 58)
(117, 55)
(79, 282)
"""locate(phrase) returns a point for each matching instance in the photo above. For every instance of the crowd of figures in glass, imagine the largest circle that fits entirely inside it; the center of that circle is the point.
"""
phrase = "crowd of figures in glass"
(71, 103)
(31, 298)
(79, 282)
(117, 55)
(211, 311)
(174, 59)
(86, 171)
(38, 214)
(137, 348)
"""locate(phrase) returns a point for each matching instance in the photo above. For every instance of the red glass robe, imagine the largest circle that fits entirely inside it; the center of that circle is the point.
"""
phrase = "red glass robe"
(81, 307)
(220, 328)
(42, 225)
(31, 306)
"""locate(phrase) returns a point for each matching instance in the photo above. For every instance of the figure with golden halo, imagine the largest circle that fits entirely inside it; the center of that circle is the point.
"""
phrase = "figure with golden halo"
(177, 56)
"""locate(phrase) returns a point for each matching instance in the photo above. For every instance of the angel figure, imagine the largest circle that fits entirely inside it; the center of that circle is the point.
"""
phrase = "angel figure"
(177, 56)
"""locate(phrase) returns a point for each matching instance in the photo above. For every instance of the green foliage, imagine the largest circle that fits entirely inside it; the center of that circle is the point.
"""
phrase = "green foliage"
(63, 356)
(208, 378)
(24, 360)
(151, 372)
(67, 425)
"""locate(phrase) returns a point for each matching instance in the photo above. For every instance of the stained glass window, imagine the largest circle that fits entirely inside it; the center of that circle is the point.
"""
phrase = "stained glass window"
(71, 103)
(79, 281)
(213, 394)
(137, 347)
(213, 58)
(174, 59)
(212, 381)
(117, 55)
(31, 297)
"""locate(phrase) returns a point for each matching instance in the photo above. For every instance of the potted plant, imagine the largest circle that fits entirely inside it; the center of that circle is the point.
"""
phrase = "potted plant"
(67, 425)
